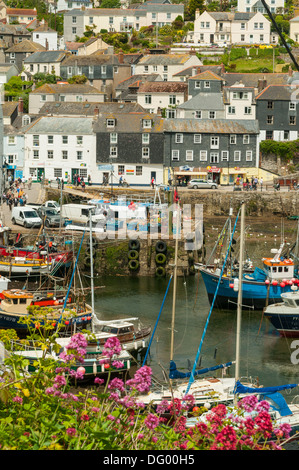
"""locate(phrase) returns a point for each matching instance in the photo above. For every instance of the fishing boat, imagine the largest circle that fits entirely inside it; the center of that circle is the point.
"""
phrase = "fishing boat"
(132, 337)
(284, 315)
(261, 286)
(19, 262)
(93, 364)
(18, 304)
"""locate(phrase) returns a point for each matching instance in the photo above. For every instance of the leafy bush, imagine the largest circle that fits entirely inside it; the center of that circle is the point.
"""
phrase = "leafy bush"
(285, 150)
(42, 411)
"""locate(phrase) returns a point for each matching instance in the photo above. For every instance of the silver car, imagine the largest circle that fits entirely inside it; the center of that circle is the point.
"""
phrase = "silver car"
(202, 184)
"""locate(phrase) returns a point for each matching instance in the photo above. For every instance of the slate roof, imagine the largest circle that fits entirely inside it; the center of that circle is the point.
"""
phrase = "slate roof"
(211, 126)
(251, 79)
(26, 46)
(164, 59)
(49, 88)
(92, 59)
(71, 125)
(279, 92)
(163, 87)
(129, 122)
(217, 69)
(88, 109)
(45, 57)
(204, 101)
(8, 107)
(207, 75)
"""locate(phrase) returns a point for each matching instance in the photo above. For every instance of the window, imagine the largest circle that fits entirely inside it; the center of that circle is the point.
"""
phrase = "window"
(79, 98)
(189, 155)
(64, 139)
(10, 159)
(206, 84)
(74, 30)
(214, 142)
(286, 135)
(79, 155)
(64, 155)
(248, 155)
(212, 114)
(175, 155)
(62, 98)
(165, 68)
(145, 69)
(145, 138)
(270, 119)
(36, 154)
(256, 25)
(237, 156)
(246, 139)
(292, 120)
(74, 19)
(233, 139)
(269, 135)
(214, 157)
(224, 156)
(90, 70)
(91, 20)
(197, 138)
(270, 105)
(50, 139)
(57, 172)
(242, 25)
(146, 123)
(79, 139)
(121, 170)
(292, 105)
(203, 155)
(178, 138)
(172, 99)
(261, 37)
(110, 19)
(197, 84)
(104, 69)
(50, 154)
(231, 110)
(11, 140)
(113, 138)
(115, 69)
(113, 152)
(148, 99)
(170, 113)
(36, 141)
(138, 170)
(43, 98)
(197, 115)
(145, 152)
(110, 122)
(247, 110)
(83, 172)
(242, 37)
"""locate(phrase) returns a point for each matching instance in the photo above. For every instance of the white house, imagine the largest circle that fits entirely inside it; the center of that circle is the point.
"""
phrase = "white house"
(45, 62)
(224, 28)
(165, 65)
(60, 147)
(162, 96)
(46, 37)
(239, 102)
(275, 6)
(294, 29)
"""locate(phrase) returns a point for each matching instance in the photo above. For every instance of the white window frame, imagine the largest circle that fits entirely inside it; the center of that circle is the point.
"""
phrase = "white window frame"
(237, 156)
(246, 139)
(203, 156)
(197, 139)
(189, 155)
(214, 157)
(145, 138)
(179, 138)
(225, 156)
(145, 152)
(175, 155)
(248, 155)
(113, 138)
(113, 152)
(233, 139)
(214, 142)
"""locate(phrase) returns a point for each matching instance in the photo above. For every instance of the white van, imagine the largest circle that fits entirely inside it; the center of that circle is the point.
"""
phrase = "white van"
(26, 216)
(79, 213)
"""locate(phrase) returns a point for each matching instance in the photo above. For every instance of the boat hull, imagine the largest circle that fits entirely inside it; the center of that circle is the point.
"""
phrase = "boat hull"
(286, 323)
(254, 294)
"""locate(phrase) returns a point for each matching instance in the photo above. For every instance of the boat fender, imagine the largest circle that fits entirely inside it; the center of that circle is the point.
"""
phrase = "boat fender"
(133, 254)
(160, 258)
(236, 284)
(161, 246)
(134, 245)
(160, 271)
(133, 264)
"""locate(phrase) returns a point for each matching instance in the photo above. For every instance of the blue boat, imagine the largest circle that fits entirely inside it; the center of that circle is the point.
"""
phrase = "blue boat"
(260, 287)
(284, 315)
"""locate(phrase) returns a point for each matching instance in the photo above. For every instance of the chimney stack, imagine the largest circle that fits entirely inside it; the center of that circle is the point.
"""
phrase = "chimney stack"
(20, 106)
(290, 71)
(121, 57)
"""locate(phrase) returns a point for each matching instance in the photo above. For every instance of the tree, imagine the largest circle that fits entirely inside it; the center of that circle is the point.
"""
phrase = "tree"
(193, 6)
(78, 79)
(110, 4)
(17, 88)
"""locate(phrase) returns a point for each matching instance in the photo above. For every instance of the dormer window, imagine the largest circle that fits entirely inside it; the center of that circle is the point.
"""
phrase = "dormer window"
(146, 123)
(110, 122)
(25, 120)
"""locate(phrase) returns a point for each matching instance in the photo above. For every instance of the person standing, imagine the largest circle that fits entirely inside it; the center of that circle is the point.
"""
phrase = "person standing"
(261, 183)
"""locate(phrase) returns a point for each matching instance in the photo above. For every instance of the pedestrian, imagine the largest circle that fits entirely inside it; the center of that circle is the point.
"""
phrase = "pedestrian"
(120, 182)
(261, 183)
(78, 180)
(30, 182)
(153, 182)
(83, 185)
(89, 180)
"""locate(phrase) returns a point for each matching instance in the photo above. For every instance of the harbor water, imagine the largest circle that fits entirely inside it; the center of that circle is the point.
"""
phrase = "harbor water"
(264, 353)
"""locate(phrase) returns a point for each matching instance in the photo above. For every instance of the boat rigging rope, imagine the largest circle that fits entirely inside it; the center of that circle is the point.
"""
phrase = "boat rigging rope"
(191, 380)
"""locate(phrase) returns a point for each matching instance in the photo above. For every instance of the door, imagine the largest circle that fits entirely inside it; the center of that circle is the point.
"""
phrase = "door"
(212, 38)
(40, 174)
(74, 172)
(153, 175)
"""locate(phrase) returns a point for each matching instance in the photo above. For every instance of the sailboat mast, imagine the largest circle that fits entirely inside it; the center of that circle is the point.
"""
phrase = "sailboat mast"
(91, 268)
(174, 281)
(239, 304)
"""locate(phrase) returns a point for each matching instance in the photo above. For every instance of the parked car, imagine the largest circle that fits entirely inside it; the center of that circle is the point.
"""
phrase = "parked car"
(51, 217)
(26, 216)
(201, 184)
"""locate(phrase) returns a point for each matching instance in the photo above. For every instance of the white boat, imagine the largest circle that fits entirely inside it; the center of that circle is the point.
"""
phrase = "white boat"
(284, 315)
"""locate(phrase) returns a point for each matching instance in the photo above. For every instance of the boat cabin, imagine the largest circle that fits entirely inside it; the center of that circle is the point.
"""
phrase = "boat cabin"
(16, 301)
(119, 330)
(279, 269)
(291, 299)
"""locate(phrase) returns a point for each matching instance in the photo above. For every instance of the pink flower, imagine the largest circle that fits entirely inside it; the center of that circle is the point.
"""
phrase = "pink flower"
(248, 403)
(163, 406)
(151, 421)
(71, 431)
(18, 399)
(142, 380)
(227, 438)
(118, 364)
(116, 384)
(112, 347)
(99, 381)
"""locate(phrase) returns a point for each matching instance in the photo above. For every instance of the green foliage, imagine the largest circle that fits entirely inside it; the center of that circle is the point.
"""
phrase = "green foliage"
(285, 150)
(237, 53)
(79, 79)
(17, 88)
(110, 4)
